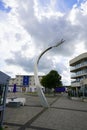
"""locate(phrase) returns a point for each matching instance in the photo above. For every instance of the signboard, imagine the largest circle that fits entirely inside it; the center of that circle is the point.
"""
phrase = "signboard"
(60, 89)
(14, 88)
(26, 80)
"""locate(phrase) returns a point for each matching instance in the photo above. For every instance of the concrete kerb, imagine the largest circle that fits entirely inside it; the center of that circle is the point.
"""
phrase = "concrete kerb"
(82, 99)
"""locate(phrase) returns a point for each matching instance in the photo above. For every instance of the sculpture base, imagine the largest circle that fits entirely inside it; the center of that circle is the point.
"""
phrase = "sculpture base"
(14, 104)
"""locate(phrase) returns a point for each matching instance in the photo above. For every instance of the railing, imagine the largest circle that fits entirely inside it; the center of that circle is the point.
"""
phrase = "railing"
(75, 83)
(78, 66)
(80, 74)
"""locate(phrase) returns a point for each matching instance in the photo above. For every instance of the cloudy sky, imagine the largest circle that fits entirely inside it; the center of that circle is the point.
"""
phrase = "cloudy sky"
(27, 27)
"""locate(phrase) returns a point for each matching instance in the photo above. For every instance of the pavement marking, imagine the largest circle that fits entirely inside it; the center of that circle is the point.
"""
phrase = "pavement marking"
(55, 100)
(40, 128)
(33, 105)
(69, 109)
(27, 124)
(12, 124)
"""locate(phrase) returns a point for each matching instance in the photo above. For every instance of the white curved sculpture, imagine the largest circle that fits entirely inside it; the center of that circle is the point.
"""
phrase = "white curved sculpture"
(43, 99)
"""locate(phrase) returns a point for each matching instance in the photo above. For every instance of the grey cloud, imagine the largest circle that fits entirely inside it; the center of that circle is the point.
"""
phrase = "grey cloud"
(28, 63)
(18, 36)
(25, 47)
(45, 32)
(46, 64)
(61, 67)
(20, 60)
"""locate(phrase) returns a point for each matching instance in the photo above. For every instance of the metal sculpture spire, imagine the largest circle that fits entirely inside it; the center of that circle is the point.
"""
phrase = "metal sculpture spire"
(43, 99)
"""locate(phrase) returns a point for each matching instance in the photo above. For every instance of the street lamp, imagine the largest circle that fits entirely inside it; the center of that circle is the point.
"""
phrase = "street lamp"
(43, 99)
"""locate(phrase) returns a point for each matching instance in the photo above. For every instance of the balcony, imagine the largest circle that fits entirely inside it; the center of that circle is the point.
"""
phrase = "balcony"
(78, 67)
(79, 83)
(75, 84)
(85, 81)
(82, 74)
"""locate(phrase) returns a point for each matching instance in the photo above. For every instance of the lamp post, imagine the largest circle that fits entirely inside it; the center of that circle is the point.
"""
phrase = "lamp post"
(41, 95)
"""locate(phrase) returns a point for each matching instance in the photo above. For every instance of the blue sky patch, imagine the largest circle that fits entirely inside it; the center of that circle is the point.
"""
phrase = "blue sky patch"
(63, 5)
(44, 2)
(3, 8)
(70, 3)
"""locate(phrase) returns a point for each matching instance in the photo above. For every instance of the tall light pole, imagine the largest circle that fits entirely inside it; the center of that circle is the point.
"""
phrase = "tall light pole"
(41, 95)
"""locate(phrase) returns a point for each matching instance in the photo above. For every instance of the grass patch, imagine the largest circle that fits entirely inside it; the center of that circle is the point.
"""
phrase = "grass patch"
(46, 94)
(31, 93)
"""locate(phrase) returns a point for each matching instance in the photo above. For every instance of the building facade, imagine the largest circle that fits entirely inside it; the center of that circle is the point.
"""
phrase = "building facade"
(24, 83)
(78, 69)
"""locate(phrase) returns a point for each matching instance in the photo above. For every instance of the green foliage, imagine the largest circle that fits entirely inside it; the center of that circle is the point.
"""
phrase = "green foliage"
(51, 80)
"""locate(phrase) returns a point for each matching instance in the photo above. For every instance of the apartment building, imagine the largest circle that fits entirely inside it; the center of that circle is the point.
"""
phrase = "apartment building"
(78, 69)
(24, 83)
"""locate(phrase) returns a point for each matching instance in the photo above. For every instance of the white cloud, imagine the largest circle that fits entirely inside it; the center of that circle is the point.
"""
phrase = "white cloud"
(46, 11)
(32, 26)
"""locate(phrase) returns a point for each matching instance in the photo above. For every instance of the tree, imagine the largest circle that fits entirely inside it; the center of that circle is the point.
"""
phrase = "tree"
(51, 80)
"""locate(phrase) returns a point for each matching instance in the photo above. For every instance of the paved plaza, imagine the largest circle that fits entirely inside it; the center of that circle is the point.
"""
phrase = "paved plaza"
(63, 114)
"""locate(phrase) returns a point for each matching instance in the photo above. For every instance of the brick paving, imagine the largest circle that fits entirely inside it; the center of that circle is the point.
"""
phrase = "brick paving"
(63, 114)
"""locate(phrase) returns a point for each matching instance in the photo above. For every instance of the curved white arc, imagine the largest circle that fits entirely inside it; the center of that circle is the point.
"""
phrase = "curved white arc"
(43, 99)
(59, 43)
